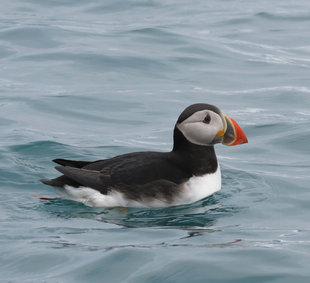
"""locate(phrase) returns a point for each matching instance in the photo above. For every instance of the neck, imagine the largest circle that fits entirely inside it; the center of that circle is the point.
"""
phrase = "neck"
(198, 159)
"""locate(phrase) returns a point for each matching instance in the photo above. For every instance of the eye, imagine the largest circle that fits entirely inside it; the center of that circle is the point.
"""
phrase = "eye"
(207, 119)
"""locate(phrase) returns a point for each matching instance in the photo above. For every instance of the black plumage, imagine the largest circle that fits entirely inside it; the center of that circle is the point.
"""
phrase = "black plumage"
(142, 174)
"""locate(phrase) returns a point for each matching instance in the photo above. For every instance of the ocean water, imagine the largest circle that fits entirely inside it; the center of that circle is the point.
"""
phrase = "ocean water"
(94, 79)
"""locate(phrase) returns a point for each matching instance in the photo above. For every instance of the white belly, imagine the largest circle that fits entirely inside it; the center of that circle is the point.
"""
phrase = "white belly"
(196, 188)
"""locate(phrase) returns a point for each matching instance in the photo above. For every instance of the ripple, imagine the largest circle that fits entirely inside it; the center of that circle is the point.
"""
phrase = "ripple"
(29, 37)
(158, 35)
(103, 63)
(201, 214)
(119, 6)
(284, 16)
(263, 91)
(235, 21)
(87, 79)
(37, 147)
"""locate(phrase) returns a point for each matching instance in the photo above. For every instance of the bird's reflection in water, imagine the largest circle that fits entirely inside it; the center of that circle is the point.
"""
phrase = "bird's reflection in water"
(202, 214)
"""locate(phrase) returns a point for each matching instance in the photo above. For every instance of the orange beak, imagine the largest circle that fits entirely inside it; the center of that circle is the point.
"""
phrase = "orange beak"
(233, 134)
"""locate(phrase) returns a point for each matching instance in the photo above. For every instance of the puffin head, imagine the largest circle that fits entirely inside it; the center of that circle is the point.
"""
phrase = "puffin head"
(204, 124)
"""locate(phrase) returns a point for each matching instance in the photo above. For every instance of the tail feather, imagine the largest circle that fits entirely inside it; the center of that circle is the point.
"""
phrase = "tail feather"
(71, 163)
(88, 178)
(60, 182)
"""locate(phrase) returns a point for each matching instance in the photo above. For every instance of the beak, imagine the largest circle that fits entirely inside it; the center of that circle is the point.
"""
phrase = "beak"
(233, 134)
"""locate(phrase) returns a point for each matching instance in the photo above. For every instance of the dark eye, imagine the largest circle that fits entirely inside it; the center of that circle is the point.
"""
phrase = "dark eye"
(207, 119)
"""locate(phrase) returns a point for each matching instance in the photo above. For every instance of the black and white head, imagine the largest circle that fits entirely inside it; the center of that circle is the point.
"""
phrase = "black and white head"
(204, 124)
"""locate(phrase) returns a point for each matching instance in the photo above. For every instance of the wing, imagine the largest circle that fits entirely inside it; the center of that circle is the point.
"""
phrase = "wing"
(87, 178)
(77, 178)
(142, 170)
(145, 167)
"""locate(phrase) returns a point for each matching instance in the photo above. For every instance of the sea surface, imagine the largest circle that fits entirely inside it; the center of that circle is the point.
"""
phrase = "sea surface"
(93, 79)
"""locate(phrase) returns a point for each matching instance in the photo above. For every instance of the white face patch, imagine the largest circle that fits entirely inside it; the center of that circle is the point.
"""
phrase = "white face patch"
(198, 132)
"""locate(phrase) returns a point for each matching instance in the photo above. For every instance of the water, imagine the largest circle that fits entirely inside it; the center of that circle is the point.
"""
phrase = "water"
(94, 79)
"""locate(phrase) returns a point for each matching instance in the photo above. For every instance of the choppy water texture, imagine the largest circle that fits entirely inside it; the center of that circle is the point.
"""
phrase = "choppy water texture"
(94, 79)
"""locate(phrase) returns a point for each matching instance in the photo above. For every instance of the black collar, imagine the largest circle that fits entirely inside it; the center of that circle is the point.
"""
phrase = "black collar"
(196, 159)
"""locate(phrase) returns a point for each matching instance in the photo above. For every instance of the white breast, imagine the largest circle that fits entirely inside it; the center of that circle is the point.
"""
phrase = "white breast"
(199, 187)
(196, 188)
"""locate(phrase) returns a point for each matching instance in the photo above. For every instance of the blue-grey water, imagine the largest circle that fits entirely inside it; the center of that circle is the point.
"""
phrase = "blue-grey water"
(94, 79)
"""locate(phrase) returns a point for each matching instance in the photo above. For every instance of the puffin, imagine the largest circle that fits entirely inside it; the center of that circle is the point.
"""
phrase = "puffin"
(188, 173)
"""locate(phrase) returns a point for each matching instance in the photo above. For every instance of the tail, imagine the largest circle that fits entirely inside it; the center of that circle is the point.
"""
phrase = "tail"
(72, 163)
(63, 180)
(60, 182)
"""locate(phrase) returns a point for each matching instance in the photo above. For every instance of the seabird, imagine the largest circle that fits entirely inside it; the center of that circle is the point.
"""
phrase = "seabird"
(186, 174)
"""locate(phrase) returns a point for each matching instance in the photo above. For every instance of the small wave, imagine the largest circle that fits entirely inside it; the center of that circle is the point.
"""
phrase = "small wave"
(267, 90)
(33, 37)
(283, 16)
